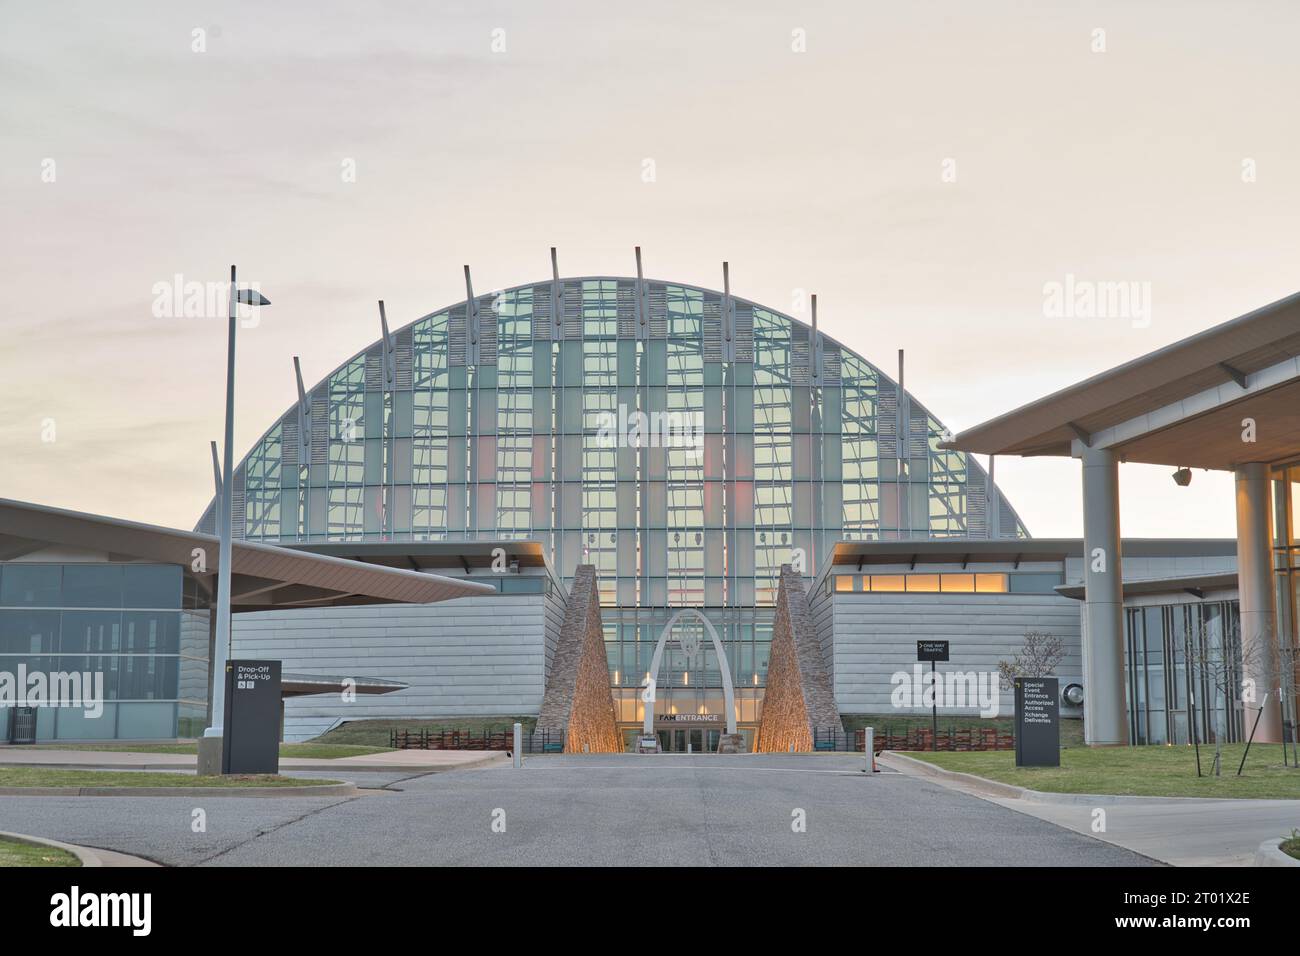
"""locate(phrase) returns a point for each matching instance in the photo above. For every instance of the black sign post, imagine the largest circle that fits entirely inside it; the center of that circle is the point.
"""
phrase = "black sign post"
(251, 735)
(933, 651)
(1038, 722)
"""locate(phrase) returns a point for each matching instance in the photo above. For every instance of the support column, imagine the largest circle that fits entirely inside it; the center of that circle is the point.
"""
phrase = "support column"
(1255, 587)
(1105, 720)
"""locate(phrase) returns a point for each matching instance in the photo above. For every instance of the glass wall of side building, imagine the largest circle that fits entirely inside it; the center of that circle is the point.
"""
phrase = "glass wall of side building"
(1183, 673)
(134, 629)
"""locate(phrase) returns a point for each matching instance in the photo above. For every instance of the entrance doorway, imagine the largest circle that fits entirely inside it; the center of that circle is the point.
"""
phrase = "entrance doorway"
(699, 740)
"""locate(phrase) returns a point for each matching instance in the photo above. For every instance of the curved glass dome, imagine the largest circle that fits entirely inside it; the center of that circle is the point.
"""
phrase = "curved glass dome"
(685, 442)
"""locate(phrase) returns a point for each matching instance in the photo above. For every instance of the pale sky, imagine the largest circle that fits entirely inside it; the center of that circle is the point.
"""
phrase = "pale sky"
(925, 168)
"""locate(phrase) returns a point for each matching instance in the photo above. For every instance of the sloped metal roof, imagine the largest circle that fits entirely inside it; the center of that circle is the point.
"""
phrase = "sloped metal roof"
(1222, 356)
(264, 576)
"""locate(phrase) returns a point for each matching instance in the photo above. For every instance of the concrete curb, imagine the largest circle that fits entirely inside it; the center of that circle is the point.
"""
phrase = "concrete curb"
(85, 854)
(322, 766)
(89, 856)
(912, 766)
(493, 756)
(323, 790)
(1270, 854)
(1010, 791)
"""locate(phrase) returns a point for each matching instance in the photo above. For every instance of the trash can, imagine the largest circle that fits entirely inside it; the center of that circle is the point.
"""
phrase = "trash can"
(22, 725)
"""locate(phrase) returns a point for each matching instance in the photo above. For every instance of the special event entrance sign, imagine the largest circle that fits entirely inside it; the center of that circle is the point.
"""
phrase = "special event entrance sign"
(1038, 722)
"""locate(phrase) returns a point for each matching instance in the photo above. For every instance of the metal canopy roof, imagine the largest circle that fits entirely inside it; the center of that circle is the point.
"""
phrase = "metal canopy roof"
(1012, 550)
(1194, 584)
(304, 685)
(461, 556)
(1179, 405)
(264, 576)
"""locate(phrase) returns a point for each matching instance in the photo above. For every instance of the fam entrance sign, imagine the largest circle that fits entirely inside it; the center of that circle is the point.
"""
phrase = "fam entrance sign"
(728, 692)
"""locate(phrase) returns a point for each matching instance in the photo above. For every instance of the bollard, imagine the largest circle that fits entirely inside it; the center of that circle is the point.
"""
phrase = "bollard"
(688, 747)
(871, 750)
(519, 745)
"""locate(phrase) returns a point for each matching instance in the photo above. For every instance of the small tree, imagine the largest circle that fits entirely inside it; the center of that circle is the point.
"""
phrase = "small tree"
(1038, 657)
(1220, 665)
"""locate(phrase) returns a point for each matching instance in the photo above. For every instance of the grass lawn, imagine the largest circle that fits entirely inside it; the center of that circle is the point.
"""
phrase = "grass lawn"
(56, 777)
(1071, 727)
(374, 733)
(16, 853)
(1138, 771)
(308, 750)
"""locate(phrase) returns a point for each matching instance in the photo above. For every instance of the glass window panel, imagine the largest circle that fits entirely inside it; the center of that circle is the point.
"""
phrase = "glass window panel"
(148, 677)
(146, 721)
(90, 632)
(991, 583)
(1033, 583)
(33, 585)
(155, 586)
(75, 724)
(958, 583)
(92, 585)
(29, 632)
(923, 582)
(105, 669)
(887, 582)
(150, 632)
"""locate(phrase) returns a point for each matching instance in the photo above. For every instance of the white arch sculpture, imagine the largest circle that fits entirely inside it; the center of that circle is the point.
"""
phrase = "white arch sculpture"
(728, 692)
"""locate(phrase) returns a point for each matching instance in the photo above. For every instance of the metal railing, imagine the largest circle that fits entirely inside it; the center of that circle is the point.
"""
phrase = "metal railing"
(538, 741)
(913, 738)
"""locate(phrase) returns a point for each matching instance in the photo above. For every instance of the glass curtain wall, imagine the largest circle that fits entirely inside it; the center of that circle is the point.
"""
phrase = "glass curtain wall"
(1183, 673)
(740, 442)
(130, 625)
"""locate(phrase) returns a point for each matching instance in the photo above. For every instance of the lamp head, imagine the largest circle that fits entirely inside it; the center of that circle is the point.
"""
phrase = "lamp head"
(251, 297)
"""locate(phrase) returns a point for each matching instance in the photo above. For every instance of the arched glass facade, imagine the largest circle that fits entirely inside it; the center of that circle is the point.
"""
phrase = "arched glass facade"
(685, 442)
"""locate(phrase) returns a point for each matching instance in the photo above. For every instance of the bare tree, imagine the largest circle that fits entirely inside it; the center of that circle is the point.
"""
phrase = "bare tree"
(1219, 663)
(1038, 657)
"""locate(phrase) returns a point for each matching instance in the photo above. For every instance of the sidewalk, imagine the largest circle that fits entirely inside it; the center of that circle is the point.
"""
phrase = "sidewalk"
(1182, 831)
(414, 761)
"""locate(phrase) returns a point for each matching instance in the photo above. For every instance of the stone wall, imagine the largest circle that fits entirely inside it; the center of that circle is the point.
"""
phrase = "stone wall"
(799, 695)
(578, 698)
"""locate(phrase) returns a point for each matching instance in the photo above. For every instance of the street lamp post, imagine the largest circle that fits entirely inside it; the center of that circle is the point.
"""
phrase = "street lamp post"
(221, 650)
